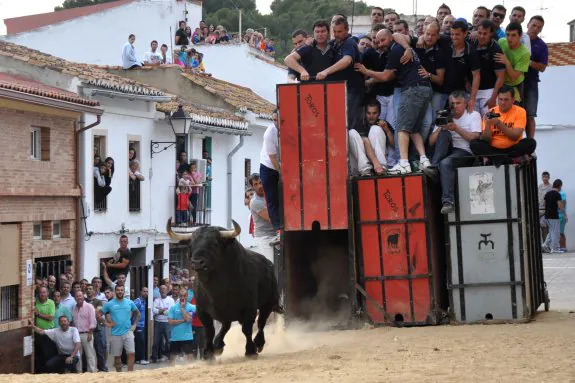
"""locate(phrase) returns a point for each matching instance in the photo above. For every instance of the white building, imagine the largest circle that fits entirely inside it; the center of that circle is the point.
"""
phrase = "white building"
(78, 35)
(555, 132)
(135, 117)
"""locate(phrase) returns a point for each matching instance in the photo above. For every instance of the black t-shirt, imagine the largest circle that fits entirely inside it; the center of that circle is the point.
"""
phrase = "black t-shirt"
(314, 60)
(355, 80)
(373, 60)
(183, 37)
(488, 66)
(460, 68)
(432, 59)
(551, 204)
(119, 258)
(407, 74)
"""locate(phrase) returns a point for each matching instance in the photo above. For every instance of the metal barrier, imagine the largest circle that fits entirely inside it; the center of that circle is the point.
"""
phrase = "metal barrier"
(198, 213)
(9, 302)
(134, 194)
(52, 266)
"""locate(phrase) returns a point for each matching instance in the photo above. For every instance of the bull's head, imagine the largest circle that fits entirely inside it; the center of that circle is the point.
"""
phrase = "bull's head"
(207, 244)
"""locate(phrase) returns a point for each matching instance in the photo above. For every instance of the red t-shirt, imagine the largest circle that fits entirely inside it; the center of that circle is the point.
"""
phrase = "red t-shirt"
(196, 322)
(183, 199)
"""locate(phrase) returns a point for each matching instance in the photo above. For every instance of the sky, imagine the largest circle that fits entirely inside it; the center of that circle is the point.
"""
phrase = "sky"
(557, 13)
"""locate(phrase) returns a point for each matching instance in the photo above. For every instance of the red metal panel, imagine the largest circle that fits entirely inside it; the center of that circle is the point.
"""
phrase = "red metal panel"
(313, 151)
(396, 233)
(337, 155)
(313, 154)
(289, 151)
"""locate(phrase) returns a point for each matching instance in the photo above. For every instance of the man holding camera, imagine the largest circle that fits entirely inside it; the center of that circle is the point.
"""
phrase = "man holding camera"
(450, 139)
(503, 127)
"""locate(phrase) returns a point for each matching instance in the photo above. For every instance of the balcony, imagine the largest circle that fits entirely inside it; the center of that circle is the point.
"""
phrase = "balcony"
(191, 209)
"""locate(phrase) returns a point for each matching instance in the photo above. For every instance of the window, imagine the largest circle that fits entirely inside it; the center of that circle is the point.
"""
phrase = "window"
(247, 171)
(100, 193)
(56, 229)
(9, 303)
(100, 147)
(35, 150)
(37, 230)
(135, 179)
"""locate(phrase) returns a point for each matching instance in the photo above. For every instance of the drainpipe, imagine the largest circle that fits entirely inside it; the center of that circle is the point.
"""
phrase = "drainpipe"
(79, 163)
(229, 167)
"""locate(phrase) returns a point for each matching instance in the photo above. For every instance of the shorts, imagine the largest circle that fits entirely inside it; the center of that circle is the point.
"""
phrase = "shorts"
(120, 342)
(530, 99)
(178, 347)
(562, 225)
(412, 108)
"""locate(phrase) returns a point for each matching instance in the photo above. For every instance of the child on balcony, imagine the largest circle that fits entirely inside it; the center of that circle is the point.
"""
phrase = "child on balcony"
(183, 193)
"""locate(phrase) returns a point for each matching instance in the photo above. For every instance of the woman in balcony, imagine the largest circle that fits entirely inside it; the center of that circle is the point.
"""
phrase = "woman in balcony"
(101, 188)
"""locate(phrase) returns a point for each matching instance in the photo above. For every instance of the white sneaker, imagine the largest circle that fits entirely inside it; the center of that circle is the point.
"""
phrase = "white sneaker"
(144, 362)
(400, 169)
(424, 164)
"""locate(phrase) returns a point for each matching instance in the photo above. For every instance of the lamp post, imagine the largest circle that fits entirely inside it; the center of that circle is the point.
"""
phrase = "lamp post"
(180, 122)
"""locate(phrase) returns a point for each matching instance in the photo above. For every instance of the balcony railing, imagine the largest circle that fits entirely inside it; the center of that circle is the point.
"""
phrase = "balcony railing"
(198, 212)
(101, 205)
(134, 195)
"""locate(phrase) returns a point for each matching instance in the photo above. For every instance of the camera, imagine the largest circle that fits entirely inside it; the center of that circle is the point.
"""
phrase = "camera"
(491, 115)
(443, 117)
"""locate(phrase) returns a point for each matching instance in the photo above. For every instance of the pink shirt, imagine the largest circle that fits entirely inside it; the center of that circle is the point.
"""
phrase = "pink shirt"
(84, 317)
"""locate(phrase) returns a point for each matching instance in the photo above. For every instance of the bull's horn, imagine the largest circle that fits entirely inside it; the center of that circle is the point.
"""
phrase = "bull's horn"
(175, 236)
(232, 233)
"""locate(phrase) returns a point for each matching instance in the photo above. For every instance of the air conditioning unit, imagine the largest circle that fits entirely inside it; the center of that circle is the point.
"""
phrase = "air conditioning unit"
(202, 167)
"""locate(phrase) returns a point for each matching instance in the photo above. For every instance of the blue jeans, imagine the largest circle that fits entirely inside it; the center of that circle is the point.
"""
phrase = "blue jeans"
(100, 347)
(443, 155)
(161, 340)
(140, 339)
(270, 182)
(181, 216)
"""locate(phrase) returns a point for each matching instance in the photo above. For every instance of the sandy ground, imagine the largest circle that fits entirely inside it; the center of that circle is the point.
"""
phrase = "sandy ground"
(542, 350)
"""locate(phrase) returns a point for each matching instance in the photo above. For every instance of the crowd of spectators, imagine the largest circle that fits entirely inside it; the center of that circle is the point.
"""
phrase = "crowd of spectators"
(418, 99)
(78, 323)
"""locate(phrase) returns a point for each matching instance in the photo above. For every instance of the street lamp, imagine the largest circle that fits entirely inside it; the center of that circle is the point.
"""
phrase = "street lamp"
(180, 122)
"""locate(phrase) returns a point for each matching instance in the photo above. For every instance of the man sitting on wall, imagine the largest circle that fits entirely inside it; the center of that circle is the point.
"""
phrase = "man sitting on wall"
(449, 140)
(503, 129)
(368, 148)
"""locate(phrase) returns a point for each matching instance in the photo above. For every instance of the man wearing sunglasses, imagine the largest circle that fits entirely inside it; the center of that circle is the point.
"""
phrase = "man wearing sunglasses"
(497, 16)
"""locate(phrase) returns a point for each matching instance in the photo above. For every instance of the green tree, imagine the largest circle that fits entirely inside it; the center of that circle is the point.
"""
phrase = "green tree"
(67, 4)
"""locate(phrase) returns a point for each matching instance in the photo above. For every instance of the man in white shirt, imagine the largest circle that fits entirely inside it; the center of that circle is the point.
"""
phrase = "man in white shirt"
(269, 170)
(450, 141)
(518, 16)
(161, 330)
(66, 298)
(153, 57)
(165, 58)
(264, 232)
(129, 60)
(67, 341)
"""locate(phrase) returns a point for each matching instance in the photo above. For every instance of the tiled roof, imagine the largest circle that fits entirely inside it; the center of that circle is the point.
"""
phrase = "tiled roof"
(238, 96)
(26, 85)
(205, 115)
(31, 22)
(89, 74)
(561, 54)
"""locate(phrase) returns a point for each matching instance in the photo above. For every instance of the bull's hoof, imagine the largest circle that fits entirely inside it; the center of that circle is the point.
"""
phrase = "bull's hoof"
(251, 356)
(260, 349)
(259, 342)
(209, 356)
(218, 351)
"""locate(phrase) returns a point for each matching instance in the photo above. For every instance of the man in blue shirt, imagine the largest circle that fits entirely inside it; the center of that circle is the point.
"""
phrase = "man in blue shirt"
(538, 64)
(180, 318)
(119, 312)
(415, 98)
(346, 54)
(142, 304)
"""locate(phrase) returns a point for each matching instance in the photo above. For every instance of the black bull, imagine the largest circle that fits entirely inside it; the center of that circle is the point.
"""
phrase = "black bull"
(234, 284)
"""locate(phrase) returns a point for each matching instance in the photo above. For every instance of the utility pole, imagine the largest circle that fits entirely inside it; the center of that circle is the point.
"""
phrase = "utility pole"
(265, 32)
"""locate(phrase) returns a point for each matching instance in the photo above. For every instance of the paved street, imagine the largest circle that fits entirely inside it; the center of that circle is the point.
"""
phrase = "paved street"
(559, 272)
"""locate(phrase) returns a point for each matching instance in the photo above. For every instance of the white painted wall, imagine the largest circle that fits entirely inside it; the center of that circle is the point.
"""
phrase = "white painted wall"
(99, 38)
(122, 120)
(555, 135)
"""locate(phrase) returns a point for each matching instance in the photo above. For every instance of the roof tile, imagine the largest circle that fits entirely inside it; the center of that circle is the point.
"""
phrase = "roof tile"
(561, 54)
(26, 85)
(89, 73)
(205, 115)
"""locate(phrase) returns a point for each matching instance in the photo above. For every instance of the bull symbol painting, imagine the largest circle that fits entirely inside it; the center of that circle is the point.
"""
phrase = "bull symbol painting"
(393, 242)
(485, 242)
(234, 284)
